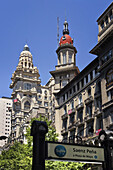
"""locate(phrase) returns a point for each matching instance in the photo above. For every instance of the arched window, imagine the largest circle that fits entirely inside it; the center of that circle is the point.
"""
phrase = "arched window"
(26, 105)
(27, 86)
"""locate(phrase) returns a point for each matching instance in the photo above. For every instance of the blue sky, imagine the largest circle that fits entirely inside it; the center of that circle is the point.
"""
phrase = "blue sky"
(35, 22)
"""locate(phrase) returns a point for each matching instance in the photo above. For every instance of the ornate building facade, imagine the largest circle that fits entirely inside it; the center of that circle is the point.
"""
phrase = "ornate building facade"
(27, 95)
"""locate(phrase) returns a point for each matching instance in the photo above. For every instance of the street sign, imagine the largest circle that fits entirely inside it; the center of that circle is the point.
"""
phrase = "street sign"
(74, 152)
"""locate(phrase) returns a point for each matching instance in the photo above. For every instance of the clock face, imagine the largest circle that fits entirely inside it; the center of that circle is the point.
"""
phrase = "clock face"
(109, 77)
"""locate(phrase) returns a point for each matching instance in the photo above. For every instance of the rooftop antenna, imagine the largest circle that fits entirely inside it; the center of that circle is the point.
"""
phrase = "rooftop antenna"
(57, 31)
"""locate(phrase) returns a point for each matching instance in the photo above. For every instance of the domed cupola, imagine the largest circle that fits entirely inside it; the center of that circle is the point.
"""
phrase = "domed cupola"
(66, 39)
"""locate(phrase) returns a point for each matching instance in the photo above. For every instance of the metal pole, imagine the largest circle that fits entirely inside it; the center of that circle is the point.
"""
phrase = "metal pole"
(38, 131)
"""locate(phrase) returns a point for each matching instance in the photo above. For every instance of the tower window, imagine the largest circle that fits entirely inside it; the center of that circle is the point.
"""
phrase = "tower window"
(64, 58)
(59, 58)
(64, 38)
(26, 105)
(70, 58)
(27, 86)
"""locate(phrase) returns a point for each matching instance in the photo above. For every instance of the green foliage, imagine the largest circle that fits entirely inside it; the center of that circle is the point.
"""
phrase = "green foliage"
(56, 165)
(18, 157)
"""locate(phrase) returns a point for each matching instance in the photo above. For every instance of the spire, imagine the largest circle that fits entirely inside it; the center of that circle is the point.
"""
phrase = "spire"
(65, 30)
(26, 48)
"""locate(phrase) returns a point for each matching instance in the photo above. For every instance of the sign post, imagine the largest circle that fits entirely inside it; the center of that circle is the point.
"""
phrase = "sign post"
(38, 131)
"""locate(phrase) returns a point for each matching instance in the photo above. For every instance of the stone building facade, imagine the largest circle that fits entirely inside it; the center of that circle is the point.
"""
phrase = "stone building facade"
(30, 99)
(84, 106)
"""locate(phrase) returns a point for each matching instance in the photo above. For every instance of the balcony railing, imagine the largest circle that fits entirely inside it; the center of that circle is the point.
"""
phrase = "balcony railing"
(71, 126)
(64, 130)
(89, 99)
(97, 112)
(64, 116)
(88, 117)
(79, 106)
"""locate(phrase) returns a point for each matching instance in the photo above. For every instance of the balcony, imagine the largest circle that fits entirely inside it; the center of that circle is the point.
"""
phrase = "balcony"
(88, 117)
(63, 131)
(71, 111)
(79, 122)
(107, 104)
(64, 116)
(72, 126)
(89, 100)
(97, 112)
(80, 106)
(97, 94)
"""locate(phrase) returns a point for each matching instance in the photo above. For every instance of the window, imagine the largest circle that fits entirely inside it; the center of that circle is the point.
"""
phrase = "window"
(59, 58)
(72, 104)
(45, 97)
(86, 79)
(106, 57)
(81, 131)
(78, 86)
(110, 95)
(64, 126)
(65, 138)
(40, 102)
(82, 82)
(70, 58)
(106, 20)
(72, 116)
(89, 126)
(80, 115)
(64, 82)
(89, 92)
(102, 24)
(64, 58)
(65, 109)
(99, 123)
(27, 86)
(26, 105)
(45, 92)
(91, 75)
(46, 104)
(109, 77)
(74, 89)
(64, 38)
(66, 96)
(98, 103)
(110, 15)
(80, 99)
(89, 110)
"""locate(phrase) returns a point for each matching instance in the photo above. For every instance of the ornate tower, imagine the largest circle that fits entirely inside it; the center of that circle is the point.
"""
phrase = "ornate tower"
(66, 67)
(25, 85)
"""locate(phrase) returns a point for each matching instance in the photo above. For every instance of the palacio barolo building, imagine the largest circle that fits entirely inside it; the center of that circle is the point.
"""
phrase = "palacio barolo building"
(79, 103)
